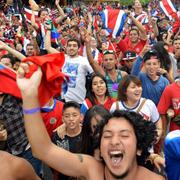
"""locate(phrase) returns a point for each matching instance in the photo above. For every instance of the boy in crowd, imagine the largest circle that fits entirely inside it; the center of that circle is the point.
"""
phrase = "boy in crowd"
(72, 118)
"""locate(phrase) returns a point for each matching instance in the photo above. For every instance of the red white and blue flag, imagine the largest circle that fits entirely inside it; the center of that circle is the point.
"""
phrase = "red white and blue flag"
(142, 18)
(28, 14)
(113, 21)
(168, 8)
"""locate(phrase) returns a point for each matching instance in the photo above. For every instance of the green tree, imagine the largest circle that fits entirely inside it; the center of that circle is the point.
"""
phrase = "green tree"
(131, 2)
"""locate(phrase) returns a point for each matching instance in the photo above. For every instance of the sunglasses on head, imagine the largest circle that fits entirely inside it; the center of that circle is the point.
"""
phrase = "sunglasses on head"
(108, 52)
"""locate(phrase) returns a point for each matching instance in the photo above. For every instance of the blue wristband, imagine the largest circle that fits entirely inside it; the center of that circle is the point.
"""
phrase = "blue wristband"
(31, 111)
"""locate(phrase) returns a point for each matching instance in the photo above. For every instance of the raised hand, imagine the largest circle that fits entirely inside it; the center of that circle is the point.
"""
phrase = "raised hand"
(28, 86)
(56, 2)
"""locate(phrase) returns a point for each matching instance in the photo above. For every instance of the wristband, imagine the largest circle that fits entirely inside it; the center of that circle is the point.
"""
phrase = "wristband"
(31, 111)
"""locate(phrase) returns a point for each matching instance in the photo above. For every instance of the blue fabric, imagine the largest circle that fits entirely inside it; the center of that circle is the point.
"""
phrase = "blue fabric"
(151, 89)
(83, 109)
(172, 155)
(36, 163)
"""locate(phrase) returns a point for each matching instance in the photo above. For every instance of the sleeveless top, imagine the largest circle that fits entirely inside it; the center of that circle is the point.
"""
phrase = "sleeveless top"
(113, 85)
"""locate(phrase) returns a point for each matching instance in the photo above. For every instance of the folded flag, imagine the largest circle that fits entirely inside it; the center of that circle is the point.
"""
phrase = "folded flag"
(52, 79)
(113, 21)
(8, 81)
(168, 8)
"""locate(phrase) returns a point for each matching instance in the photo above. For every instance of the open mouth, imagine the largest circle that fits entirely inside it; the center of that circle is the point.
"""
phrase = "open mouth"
(116, 157)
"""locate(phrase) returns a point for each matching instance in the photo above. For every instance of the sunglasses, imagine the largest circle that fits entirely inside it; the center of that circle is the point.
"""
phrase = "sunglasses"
(108, 52)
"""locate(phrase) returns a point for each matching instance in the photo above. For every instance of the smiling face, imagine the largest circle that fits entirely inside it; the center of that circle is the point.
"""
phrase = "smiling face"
(72, 48)
(98, 86)
(109, 62)
(133, 92)
(118, 147)
(151, 66)
(134, 36)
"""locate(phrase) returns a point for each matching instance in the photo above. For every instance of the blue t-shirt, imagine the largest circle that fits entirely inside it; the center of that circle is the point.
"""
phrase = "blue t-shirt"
(150, 89)
(172, 155)
(153, 89)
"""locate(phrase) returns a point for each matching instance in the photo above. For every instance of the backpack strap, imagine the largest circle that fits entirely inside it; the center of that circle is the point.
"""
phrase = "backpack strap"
(117, 105)
(141, 105)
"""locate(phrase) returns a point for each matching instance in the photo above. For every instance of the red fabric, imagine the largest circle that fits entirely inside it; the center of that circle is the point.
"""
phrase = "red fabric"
(170, 97)
(8, 81)
(52, 79)
(138, 47)
(53, 119)
(176, 26)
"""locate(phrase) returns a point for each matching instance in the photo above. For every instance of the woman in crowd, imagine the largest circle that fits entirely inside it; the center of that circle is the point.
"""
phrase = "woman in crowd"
(89, 141)
(97, 94)
(129, 98)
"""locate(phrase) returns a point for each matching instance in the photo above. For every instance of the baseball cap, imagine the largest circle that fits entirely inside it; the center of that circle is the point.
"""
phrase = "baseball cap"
(128, 55)
(151, 53)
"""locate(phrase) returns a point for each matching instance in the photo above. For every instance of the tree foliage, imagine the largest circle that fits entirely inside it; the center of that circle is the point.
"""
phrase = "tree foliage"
(131, 2)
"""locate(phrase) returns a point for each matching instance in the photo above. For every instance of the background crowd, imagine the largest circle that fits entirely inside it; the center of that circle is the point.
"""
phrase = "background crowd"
(137, 69)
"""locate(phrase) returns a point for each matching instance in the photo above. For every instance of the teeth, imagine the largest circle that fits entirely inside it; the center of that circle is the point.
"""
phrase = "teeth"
(115, 152)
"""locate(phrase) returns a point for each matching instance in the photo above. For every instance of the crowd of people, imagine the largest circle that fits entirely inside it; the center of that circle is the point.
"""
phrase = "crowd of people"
(116, 114)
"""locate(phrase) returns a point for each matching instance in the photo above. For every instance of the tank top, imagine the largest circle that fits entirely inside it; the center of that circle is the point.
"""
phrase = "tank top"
(113, 85)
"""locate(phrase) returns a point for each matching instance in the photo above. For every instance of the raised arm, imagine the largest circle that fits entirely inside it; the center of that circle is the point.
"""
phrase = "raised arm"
(142, 30)
(136, 69)
(41, 145)
(47, 42)
(33, 21)
(61, 12)
(12, 51)
(96, 67)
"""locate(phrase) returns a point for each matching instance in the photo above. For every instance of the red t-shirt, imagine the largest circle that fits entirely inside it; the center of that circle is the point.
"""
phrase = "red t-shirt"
(170, 97)
(138, 47)
(53, 118)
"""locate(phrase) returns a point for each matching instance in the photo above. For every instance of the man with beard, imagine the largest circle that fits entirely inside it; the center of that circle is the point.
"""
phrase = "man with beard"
(122, 137)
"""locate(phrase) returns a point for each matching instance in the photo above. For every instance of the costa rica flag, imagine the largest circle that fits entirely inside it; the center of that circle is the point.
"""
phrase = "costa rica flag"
(28, 14)
(168, 8)
(113, 21)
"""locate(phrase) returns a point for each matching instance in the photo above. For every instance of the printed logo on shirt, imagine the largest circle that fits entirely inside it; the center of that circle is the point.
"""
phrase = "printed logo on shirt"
(71, 70)
(63, 144)
(53, 120)
(176, 103)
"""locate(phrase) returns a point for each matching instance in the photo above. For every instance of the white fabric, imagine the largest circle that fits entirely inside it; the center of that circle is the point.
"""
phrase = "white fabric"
(76, 69)
(148, 110)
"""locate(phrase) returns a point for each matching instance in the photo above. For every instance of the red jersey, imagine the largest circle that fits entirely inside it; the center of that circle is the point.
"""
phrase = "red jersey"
(170, 98)
(53, 118)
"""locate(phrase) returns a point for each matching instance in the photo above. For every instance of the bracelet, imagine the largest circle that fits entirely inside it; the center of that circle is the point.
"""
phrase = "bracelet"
(31, 111)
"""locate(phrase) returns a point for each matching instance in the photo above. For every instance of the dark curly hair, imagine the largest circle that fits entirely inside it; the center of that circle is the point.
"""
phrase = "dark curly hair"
(145, 131)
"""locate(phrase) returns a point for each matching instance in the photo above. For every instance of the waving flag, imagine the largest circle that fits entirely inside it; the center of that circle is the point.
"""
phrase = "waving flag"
(52, 79)
(28, 14)
(168, 8)
(51, 82)
(8, 81)
(113, 21)
(142, 18)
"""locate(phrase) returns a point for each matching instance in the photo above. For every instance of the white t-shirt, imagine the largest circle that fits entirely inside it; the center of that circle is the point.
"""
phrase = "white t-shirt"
(148, 110)
(76, 69)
